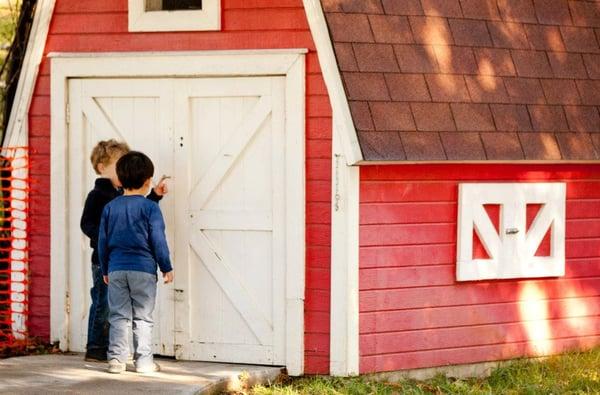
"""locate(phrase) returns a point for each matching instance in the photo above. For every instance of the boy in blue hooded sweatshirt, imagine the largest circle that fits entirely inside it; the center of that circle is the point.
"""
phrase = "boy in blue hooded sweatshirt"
(131, 247)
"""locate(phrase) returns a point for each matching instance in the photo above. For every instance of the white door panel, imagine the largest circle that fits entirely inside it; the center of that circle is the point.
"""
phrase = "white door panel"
(232, 170)
(135, 111)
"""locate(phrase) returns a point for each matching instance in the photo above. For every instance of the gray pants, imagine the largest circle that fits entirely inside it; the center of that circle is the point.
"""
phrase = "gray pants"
(131, 297)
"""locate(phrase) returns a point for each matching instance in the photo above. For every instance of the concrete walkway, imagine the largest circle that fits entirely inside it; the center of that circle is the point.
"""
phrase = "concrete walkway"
(70, 374)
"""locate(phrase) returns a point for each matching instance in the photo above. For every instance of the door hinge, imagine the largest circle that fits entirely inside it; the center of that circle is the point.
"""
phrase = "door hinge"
(178, 295)
(178, 350)
(68, 113)
(67, 302)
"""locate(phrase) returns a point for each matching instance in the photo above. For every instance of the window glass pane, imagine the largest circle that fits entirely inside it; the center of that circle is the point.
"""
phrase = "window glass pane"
(171, 5)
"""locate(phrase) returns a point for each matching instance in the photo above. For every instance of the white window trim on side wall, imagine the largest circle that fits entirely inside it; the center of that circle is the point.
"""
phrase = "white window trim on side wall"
(289, 63)
(208, 18)
(344, 320)
(512, 247)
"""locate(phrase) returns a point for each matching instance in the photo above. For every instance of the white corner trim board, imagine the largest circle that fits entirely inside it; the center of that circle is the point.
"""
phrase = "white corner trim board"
(208, 18)
(344, 319)
(512, 248)
(288, 63)
(344, 346)
(17, 133)
(333, 80)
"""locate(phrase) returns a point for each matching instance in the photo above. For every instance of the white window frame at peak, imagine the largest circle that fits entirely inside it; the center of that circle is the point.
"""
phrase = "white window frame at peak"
(512, 247)
(208, 18)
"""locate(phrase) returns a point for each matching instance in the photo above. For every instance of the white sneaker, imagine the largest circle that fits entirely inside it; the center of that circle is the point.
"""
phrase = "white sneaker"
(154, 367)
(114, 366)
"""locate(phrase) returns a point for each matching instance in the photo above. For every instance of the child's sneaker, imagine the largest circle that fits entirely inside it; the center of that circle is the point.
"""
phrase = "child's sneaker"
(95, 356)
(148, 368)
(114, 366)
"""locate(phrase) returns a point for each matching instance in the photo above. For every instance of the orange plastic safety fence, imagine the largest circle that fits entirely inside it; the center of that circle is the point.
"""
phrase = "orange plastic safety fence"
(14, 195)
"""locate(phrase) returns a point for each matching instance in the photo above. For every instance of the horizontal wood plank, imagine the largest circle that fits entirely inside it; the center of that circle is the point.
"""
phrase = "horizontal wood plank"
(412, 255)
(490, 172)
(318, 169)
(118, 42)
(407, 213)
(78, 6)
(262, 19)
(437, 275)
(318, 278)
(454, 356)
(540, 331)
(485, 314)
(412, 234)
(474, 293)
(233, 4)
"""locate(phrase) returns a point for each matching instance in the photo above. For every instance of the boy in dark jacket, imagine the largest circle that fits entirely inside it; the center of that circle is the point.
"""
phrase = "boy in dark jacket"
(131, 247)
(107, 187)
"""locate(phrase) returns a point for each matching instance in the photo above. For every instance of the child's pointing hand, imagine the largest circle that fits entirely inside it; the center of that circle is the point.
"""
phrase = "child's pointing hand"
(161, 188)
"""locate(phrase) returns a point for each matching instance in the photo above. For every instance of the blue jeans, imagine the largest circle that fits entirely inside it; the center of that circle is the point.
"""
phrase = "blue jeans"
(97, 339)
(131, 297)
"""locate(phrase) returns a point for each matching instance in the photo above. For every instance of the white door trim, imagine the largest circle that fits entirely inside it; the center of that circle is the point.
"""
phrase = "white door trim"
(288, 63)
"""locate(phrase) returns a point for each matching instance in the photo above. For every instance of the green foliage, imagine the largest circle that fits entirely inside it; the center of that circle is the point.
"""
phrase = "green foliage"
(571, 373)
(9, 14)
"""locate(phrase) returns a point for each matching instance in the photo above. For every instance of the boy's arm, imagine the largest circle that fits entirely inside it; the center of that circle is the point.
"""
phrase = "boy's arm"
(103, 243)
(154, 196)
(158, 240)
(90, 218)
(160, 190)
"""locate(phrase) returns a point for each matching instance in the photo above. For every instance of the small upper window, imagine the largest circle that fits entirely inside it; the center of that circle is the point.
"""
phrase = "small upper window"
(174, 15)
(173, 5)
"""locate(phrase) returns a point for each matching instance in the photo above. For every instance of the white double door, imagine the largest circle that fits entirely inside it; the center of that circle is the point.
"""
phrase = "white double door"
(222, 140)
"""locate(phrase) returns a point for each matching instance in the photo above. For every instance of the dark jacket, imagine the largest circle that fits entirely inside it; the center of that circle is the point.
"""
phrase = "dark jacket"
(99, 197)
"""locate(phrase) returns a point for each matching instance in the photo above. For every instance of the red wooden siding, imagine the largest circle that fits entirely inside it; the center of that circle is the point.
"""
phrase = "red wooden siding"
(101, 26)
(414, 314)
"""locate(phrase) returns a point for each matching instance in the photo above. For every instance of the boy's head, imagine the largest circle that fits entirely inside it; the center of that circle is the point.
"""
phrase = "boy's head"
(106, 153)
(135, 170)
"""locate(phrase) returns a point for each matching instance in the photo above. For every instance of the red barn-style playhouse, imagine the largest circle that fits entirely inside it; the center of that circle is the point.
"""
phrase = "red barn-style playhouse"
(358, 186)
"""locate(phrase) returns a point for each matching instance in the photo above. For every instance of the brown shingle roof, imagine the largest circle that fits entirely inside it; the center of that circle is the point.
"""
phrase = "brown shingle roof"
(471, 79)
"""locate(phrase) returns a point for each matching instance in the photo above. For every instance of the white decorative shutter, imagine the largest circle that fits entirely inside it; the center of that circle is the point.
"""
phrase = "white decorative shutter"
(512, 248)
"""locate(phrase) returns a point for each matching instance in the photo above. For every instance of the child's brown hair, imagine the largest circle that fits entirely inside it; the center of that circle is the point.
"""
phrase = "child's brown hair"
(105, 151)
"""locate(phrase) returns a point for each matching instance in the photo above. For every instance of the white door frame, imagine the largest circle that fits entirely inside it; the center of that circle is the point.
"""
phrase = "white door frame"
(288, 62)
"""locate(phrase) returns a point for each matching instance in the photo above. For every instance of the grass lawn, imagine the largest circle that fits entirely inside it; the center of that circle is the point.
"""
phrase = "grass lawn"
(572, 373)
